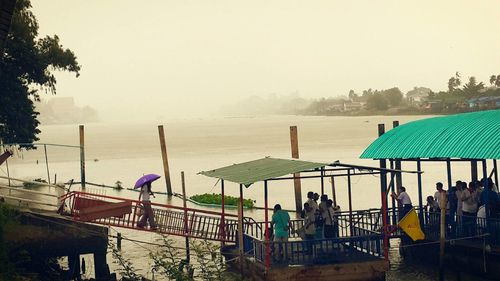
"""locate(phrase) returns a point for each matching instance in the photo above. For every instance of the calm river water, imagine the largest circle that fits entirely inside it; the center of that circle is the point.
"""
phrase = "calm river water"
(125, 151)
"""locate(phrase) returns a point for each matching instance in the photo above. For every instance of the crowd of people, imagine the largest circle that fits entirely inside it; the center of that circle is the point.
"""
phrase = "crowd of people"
(320, 221)
(464, 203)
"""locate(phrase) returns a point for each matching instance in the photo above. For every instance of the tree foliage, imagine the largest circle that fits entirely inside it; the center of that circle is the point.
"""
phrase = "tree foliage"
(27, 67)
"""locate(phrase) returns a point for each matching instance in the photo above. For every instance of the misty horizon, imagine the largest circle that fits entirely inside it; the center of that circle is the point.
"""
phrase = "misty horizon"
(170, 59)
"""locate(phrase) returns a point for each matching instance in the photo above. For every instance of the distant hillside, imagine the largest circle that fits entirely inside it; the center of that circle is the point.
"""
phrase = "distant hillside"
(62, 110)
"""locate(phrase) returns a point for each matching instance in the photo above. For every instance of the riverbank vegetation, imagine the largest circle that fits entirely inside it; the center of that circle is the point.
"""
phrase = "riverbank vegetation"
(216, 199)
(28, 64)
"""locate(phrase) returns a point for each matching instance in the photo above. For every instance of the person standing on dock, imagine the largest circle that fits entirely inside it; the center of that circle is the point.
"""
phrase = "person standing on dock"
(281, 224)
(309, 227)
(469, 208)
(404, 199)
(330, 220)
(439, 192)
(148, 215)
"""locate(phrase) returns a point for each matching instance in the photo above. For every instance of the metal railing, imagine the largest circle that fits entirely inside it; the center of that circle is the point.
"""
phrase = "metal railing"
(318, 251)
(169, 219)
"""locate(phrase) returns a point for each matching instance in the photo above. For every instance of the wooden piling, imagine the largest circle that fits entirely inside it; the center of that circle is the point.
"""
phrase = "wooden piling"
(296, 181)
(184, 204)
(47, 163)
(119, 241)
(82, 155)
(334, 194)
(397, 163)
(166, 170)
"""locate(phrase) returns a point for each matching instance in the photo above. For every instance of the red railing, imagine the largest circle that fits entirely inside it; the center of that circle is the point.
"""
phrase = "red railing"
(121, 212)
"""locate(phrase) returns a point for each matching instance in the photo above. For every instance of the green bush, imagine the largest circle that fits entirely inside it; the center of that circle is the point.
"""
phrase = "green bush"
(216, 199)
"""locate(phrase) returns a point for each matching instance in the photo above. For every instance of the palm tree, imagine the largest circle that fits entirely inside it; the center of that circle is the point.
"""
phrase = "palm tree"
(493, 79)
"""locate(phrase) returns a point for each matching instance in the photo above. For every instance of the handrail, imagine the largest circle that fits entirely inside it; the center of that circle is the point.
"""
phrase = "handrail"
(28, 191)
(140, 202)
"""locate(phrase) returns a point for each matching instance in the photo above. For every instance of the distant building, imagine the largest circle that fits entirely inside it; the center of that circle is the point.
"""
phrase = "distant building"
(353, 106)
(418, 94)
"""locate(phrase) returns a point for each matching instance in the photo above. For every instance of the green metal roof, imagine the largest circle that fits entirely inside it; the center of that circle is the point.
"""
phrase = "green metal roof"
(474, 135)
(263, 169)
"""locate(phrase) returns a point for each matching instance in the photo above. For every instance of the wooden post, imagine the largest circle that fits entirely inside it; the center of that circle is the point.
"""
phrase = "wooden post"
(267, 257)
(473, 170)
(82, 156)
(334, 194)
(119, 241)
(442, 234)
(240, 228)
(399, 175)
(184, 204)
(383, 193)
(296, 181)
(166, 170)
(46, 163)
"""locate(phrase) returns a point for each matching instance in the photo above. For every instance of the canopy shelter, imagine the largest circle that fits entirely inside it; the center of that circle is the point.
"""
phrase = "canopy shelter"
(263, 169)
(470, 137)
(272, 169)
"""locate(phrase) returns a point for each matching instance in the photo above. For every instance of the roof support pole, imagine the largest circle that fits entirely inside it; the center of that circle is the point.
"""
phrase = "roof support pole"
(350, 201)
(266, 232)
(223, 215)
(420, 199)
(473, 170)
(448, 173)
(496, 171)
(383, 193)
(240, 229)
(485, 182)
(322, 172)
(296, 181)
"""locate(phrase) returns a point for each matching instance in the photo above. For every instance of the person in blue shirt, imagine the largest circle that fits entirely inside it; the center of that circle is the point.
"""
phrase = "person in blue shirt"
(281, 224)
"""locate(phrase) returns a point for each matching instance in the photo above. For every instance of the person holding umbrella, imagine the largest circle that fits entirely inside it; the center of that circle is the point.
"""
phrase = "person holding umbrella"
(144, 196)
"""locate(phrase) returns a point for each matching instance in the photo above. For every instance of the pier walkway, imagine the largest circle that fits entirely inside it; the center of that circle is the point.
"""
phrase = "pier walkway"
(170, 219)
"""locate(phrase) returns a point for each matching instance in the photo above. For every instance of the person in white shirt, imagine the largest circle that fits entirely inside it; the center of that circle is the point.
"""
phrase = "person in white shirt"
(404, 199)
(148, 214)
(439, 192)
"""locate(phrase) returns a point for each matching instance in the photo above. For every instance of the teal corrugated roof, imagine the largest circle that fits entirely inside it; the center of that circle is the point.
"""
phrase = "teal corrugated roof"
(474, 135)
(267, 168)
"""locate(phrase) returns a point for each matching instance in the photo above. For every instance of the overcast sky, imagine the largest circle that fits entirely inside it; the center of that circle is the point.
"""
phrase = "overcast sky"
(185, 58)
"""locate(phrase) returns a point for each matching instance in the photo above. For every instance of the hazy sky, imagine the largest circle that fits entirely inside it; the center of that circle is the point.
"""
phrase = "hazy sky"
(156, 59)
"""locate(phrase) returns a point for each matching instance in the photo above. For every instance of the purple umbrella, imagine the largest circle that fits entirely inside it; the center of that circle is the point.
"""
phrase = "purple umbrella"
(145, 179)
